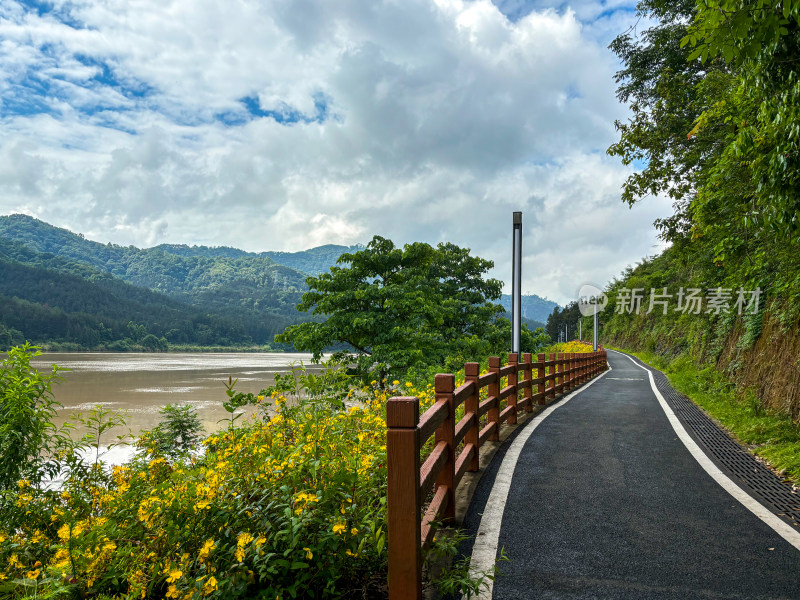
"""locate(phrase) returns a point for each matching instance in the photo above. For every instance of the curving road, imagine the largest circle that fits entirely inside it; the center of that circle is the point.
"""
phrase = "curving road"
(605, 501)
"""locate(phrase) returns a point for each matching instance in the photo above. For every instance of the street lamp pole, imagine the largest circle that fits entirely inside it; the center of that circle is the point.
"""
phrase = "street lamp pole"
(516, 283)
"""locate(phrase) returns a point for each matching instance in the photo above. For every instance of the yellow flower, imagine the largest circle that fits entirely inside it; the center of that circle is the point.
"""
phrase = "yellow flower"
(309, 554)
(209, 586)
(339, 528)
(354, 531)
(32, 574)
(61, 558)
(206, 550)
(174, 576)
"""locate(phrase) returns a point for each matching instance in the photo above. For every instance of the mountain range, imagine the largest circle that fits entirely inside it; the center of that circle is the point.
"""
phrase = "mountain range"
(58, 288)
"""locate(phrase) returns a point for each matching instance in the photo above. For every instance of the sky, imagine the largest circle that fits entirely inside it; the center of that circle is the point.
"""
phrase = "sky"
(288, 124)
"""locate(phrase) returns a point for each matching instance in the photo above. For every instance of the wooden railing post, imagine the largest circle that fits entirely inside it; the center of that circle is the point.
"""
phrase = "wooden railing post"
(471, 373)
(541, 373)
(527, 375)
(493, 389)
(443, 388)
(559, 372)
(513, 378)
(572, 382)
(403, 499)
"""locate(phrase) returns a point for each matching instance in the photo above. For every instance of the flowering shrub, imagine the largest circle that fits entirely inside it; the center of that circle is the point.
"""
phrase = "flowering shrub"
(571, 346)
(290, 503)
(291, 506)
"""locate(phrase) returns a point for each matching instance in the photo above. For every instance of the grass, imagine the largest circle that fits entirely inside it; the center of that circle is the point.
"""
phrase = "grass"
(773, 436)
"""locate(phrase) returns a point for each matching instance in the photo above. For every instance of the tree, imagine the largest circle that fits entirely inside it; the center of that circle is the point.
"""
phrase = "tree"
(715, 101)
(660, 85)
(29, 440)
(397, 308)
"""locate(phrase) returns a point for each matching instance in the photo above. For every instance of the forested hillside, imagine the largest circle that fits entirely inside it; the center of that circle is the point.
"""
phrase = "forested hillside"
(46, 298)
(314, 261)
(52, 269)
(534, 308)
(715, 100)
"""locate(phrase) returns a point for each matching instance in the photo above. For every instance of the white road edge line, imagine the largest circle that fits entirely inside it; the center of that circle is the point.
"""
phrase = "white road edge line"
(484, 550)
(780, 527)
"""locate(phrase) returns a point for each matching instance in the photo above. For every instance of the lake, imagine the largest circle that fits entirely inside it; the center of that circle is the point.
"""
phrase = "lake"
(138, 385)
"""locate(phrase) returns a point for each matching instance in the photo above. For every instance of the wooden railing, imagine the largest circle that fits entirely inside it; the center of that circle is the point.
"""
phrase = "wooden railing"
(457, 446)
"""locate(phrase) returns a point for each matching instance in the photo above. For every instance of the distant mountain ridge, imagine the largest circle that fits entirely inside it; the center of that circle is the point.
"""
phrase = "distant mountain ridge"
(534, 307)
(312, 261)
(46, 298)
(254, 291)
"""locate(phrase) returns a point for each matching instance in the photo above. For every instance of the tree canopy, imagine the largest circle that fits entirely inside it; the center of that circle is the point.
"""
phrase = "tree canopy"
(714, 95)
(401, 307)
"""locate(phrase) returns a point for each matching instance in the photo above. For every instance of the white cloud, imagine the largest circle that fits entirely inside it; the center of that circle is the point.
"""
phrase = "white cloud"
(429, 120)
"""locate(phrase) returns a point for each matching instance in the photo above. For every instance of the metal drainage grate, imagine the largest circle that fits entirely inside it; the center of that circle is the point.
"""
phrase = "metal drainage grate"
(752, 475)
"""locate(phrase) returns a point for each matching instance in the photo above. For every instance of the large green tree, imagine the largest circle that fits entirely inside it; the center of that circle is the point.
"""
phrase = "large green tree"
(715, 102)
(397, 308)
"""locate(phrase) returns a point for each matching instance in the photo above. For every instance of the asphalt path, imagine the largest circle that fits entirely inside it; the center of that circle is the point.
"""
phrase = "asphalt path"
(606, 502)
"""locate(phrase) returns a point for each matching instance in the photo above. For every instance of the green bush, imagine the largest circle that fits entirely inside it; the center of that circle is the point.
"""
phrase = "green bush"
(29, 440)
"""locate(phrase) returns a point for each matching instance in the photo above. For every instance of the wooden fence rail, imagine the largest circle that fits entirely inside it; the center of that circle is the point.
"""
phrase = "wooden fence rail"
(457, 445)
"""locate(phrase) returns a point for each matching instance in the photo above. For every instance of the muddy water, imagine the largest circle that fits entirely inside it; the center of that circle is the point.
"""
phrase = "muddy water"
(138, 385)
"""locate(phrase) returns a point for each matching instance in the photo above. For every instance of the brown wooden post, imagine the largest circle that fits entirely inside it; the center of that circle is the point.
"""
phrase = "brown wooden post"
(560, 371)
(494, 390)
(572, 382)
(541, 372)
(446, 432)
(553, 371)
(471, 373)
(527, 375)
(513, 378)
(403, 499)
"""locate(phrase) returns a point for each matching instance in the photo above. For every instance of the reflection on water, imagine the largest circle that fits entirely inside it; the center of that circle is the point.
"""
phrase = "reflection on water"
(140, 384)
